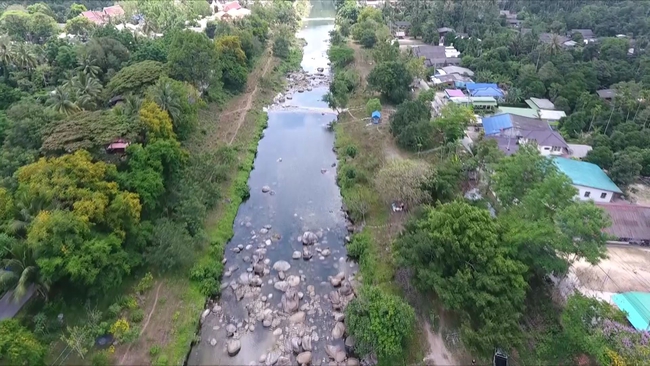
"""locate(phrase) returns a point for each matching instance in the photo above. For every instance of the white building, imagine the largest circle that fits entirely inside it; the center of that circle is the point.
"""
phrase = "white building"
(591, 182)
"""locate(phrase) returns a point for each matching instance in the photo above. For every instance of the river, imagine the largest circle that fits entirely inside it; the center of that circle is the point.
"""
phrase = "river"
(263, 310)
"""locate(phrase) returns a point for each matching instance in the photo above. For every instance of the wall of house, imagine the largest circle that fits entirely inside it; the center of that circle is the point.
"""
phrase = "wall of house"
(594, 194)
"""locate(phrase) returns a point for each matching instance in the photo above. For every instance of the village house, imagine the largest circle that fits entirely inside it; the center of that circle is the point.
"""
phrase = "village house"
(591, 182)
(435, 56)
(587, 34)
(540, 103)
(630, 222)
(107, 14)
(511, 130)
(606, 94)
(400, 28)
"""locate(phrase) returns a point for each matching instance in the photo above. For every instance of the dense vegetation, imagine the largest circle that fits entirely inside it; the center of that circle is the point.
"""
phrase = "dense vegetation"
(78, 220)
(489, 261)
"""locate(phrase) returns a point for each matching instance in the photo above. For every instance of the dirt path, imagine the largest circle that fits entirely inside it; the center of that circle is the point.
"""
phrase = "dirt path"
(249, 102)
(146, 324)
(438, 354)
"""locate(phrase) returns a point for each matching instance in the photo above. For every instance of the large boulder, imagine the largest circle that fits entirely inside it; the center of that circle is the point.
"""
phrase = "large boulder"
(293, 281)
(281, 286)
(306, 343)
(272, 357)
(230, 330)
(304, 358)
(281, 266)
(338, 331)
(331, 351)
(297, 318)
(290, 300)
(309, 238)
(296, 345)
(233, 347)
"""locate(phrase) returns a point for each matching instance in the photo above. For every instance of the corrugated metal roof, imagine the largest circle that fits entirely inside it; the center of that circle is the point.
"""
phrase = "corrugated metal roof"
(475, 86)
(630, 222)
(586, 174)
(637, 307)
(540, 103)
(496, 124)
(487, 92)
(524, 112)
(551, 115)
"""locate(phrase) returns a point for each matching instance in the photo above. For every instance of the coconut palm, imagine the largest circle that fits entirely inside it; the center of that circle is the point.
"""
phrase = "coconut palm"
(25, 57)
(61, 101)
(87, 89)
(131, 105)
(88, 65)
(555, 45)
(6, 56)
(167, 99)
(20, 271)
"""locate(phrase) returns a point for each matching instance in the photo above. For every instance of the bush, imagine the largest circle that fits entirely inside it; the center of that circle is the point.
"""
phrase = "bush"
(206, 276)
(154, 350)
(359, 245)
(145, 283)
(351, 151)
(101, 358)
(243, 190)
(115, 309)
(137, 315)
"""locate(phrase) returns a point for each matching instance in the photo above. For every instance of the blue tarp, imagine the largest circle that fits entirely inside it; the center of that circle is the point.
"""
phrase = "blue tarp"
(487, 92)
(475, 86)
(495, 124)
(376, 114)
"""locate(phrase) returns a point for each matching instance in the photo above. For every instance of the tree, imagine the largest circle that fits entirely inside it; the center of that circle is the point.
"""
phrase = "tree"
(171, 246)
(381, 323)
(400, 180)
(16, 24)
(79, 26)
(392, 79)
(372, 105)
(367, 38)
(444, 181)
(87, 91)
(601, 156)
(282, 45)
(19, 346)
(455, 250)
(136, 78)
(20, 269)
(411, 126)
(76, 10)
(452, 121)
(180, 100)
(62, 102)
(41, 27)
(201, 69)
(233, 63)
(157, 122)
(340, 56)
(625, 169)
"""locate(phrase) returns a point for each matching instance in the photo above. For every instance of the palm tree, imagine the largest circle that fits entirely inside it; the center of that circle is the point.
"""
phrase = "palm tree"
(21, 272)
(87, 90)
(88, 65)
(6, 56)
(555, 45)
(164, 95)
(25, 57)
(131, 105)
(61, 101)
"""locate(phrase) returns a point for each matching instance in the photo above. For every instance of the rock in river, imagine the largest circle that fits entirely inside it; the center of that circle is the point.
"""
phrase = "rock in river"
(281, 286)
(304, 358)
(309, 238)
(293, 281)
(306, 254)
(296, 255)
(230, 330)
(290, 300)
(233, 347)
(338, 331)
(281, 266)
(306, 343)
(298, 317)
(266, 189)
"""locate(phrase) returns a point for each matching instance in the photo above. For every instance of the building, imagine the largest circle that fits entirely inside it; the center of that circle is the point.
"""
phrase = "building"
(444, 30)
(437, 56)
(538, 103)
(484, 90)
(376, 117)
(578, 151)
(587, 34)
(449, 70)
(457, 80)
(550, 116)
(549, 38)
(630, 223)
(591, 182)
(607, 94)
(511, 129)
(400, 28)
(102, 17)
(635, 305)
(523, 112)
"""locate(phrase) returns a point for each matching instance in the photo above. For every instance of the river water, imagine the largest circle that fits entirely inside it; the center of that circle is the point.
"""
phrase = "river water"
(296, 162)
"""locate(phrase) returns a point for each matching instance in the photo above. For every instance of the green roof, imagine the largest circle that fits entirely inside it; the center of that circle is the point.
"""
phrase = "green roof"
(637, 307)
(524, 112)
(586, 174)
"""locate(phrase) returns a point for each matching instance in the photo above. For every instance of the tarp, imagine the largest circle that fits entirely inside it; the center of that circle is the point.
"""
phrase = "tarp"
(637, 307)
(376, 114)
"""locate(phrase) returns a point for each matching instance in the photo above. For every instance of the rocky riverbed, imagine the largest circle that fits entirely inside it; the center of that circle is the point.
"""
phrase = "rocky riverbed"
(300, 82)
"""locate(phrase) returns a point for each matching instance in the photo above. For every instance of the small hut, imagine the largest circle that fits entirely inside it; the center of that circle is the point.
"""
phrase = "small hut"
(117, 147)
(376, 116)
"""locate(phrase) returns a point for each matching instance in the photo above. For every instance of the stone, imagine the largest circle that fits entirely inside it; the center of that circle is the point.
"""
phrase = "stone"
(309, 238)
(296, 345)
(350, 342)
(346, 288)
(335, 281)
(281, 266)
(283, 361)
(231, 329)
(265, 189)
(331, 351)
(281, 286)
(304, 358)
(277, 332)
(245, 279)
(293, 280)
(290, 301)
(306, 343)
(276, 322)
(306, 254)
(234, 345)
(213, 342)
(281, 276)
(236, 250)
(298, 317)
(325, 252)
(339, 317)
(272, 358)
(264, 230)
(340, 356)
(266, 323)
(353, 362)
(258, 268)
(338, 331)
(296, 255)
(216, 308)
(204, 314)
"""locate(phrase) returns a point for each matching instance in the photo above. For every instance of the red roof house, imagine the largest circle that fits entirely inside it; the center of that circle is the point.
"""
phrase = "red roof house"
(233, 5)
(113, 11)
(96, 17)
(118, 146)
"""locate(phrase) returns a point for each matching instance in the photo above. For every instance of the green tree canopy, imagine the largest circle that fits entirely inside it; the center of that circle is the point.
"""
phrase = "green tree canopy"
(392, 79)
(19, 346)
(202, 68)
(135, 78)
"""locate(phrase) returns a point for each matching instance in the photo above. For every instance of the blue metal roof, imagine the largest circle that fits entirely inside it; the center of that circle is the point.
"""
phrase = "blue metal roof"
(376, 114)
(495, 124)
(487, 92)
(585, 174)
(637, 307)
(474, 86)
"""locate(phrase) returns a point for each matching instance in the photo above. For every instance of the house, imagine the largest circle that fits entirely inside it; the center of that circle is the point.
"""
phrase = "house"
(435, 56)
(607, 94)
(537, 104)
(449, 70)
(549, 38)
(548, 142)
(591, 181)
(523, 130)
(551, 116)
(451, 79)
(630, 222)
(113, 11)
(400, 28)
(233, 5)
(635, 306)
(476, 102)
(511, 18)
(454, 93)
(587, 34)
(524, 112)
(117, 147)
(484, 90)
(578, 151)
(506, 144)
(102, 17)
(444, 30)
(96, 17)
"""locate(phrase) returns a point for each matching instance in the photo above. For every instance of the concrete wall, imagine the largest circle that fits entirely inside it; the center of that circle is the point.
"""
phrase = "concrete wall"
(594, 194)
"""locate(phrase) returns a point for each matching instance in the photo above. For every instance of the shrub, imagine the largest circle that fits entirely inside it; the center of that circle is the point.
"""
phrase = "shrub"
(120, 328)
(154, 350)
(145, 283)
(351, 151)
(137, 315)
(359, 245)
(115, 309)
(243, 190)
(206, 276)
(101, 358)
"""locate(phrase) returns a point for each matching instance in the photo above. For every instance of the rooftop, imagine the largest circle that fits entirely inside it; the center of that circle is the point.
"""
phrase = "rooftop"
(606, 93)
(516, 125)
(436, 55)
(445, 30)
(586, 174)
(551, 115)
(487, 92)
(586, 33)
(637, 307)
(538, 103)
(456, 70)
(579, 151)
(629, 221)
(524, 112)
(506, 144)
(545, 137)
(454, 93)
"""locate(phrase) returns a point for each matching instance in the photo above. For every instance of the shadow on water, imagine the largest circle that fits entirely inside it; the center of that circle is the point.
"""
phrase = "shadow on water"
(295, 161)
